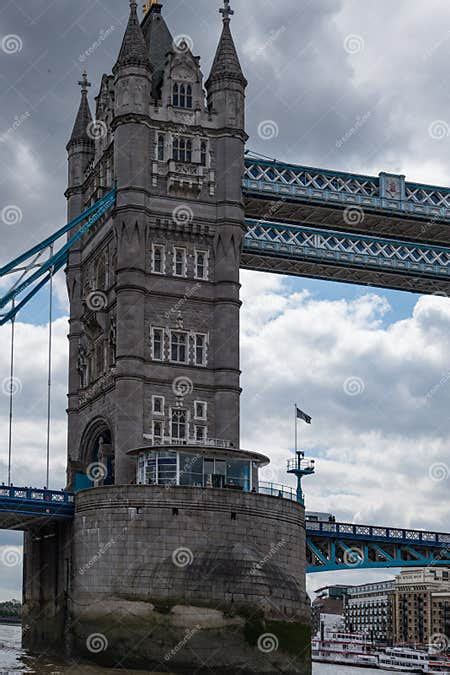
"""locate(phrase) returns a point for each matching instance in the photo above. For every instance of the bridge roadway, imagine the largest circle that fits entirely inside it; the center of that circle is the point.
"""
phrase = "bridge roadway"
(330, 546)
(378, 231)
(22, 508)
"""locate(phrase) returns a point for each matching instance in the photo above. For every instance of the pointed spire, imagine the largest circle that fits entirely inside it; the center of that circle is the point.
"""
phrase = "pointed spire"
(84, 116)
(226, 62)
(133, 51)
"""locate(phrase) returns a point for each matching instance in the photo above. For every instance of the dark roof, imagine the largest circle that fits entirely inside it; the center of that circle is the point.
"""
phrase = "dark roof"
(159, 42)
(134, 50)
(226, 62)
(83, 119)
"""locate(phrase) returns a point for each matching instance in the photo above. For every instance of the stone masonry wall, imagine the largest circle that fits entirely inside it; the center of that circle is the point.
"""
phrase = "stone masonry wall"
(154, 564)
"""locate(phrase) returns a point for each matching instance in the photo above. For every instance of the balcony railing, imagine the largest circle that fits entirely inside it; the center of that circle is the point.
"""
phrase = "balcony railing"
(277, 490)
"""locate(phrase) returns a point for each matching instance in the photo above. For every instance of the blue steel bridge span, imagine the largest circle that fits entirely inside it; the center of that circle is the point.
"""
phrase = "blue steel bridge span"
(330, 546)
(376, 231)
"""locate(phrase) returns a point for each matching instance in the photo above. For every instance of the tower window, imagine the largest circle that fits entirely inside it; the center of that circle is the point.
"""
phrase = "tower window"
(158, 259)
(201, 265)
(182, 95)
(179, 347)
(200, 349)
(158, 431)
(179, 424)
(157, 344)
(158, 405)
(200, 433)
(179, 262)
(182, 149)
(200, 408)
(203, 151)
(161, 143)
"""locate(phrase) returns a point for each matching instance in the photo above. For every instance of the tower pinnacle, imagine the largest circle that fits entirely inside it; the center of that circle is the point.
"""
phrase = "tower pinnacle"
(84, 83)
(226, 11)
(84, 116)
(134, 50)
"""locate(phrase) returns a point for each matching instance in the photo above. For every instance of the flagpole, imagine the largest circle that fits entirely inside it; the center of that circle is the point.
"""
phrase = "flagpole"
(295, 422)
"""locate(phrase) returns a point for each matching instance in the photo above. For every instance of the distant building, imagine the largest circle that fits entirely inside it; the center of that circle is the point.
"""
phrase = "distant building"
(422, 606)
(329, 601)
(369, 609)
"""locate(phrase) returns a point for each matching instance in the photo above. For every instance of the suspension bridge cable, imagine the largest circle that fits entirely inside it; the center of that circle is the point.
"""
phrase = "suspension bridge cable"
(11, 396)
(49, 382)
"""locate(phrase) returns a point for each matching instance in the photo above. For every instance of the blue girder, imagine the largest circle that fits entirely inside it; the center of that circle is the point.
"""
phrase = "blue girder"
(23, 507)
(387, 192)
(343, 248)
(36, 280)
(344, 546)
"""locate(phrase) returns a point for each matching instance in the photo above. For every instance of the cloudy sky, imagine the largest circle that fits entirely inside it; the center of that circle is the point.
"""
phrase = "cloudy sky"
(372, 367)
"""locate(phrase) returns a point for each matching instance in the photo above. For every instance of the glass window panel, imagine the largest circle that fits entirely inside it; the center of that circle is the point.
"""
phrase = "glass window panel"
(191, 470)
(238, 474)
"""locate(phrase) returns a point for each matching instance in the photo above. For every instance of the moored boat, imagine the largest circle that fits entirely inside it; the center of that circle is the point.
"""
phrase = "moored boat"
(403, 660)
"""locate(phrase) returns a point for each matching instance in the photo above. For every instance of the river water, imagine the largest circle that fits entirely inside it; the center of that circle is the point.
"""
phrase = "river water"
(14, 660)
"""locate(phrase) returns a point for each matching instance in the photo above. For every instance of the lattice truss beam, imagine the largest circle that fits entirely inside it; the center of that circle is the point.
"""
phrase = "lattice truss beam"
(27, 274)
(341, 546)
(346, 249)
(387, 191)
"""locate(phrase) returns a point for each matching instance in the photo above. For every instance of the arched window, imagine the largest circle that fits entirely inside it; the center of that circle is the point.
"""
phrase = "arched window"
(182, 96)
(189, 96)
(203, 150)
(175, 98)
(182, 149)
(161, 147)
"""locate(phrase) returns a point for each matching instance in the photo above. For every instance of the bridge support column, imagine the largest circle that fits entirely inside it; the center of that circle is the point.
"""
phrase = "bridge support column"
(46, 578)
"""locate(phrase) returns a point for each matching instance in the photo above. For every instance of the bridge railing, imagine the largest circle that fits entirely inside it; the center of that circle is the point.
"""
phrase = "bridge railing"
(36, 494)
(277, 490)
(387, 191)
(326, 529)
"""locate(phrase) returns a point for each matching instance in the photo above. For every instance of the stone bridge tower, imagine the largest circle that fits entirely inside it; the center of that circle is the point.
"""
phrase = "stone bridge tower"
(176, 558)
(154, 290)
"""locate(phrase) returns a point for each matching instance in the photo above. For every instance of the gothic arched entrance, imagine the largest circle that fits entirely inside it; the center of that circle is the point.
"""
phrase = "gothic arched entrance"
(97, 457)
